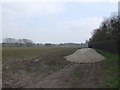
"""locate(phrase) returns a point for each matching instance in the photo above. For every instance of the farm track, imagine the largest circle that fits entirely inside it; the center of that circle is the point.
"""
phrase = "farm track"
(48, 69)
(23, 66)
(90, 76)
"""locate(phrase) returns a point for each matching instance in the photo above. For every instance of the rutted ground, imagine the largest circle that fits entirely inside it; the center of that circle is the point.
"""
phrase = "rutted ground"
(23, 66)
(50, 70)
(88, 75)
(76, 75)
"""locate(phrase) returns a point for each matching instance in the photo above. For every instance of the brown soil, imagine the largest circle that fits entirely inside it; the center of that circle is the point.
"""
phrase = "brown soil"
(73, 76)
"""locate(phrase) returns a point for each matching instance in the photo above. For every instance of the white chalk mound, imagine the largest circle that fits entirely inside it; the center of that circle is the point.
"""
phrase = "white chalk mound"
(85, 55)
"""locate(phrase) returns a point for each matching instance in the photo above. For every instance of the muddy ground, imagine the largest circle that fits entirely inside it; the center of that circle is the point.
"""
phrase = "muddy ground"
(71, 76)
(76, 75)
(49, 69)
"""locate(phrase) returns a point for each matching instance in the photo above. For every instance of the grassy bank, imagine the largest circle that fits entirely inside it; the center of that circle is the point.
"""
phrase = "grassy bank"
(110, 69)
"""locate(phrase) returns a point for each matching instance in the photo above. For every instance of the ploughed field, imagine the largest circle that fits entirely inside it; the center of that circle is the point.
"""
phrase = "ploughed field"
(31, 61)
(46, 67)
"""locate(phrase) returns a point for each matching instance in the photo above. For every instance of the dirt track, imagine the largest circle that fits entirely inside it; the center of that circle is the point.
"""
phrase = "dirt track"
(76, 75)
(90, 76)
(72, 75)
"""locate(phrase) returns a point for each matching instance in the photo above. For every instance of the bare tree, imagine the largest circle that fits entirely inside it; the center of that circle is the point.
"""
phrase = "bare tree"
(10, 40)
(17, 42)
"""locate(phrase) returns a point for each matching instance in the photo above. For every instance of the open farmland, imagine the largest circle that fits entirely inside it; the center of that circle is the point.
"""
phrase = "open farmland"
(46, 67)
(23, 63)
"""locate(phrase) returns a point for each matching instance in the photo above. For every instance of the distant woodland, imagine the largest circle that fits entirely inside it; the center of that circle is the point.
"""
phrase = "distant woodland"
(12, 42)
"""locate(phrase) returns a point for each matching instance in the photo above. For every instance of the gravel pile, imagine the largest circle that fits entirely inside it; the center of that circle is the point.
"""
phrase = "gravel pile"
(85, 55)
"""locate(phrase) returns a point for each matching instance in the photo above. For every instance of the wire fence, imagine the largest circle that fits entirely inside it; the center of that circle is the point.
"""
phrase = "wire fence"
(111, 46)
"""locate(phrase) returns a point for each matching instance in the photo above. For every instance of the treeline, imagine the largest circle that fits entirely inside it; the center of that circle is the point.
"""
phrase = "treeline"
(9, 42)
(107, 36)
(109, 30)
(12, 42)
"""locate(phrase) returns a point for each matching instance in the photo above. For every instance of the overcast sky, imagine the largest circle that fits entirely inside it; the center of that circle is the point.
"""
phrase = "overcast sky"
(54, 22)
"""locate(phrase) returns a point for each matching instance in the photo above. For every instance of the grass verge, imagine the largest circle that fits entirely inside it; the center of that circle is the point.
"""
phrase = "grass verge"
(110, 69)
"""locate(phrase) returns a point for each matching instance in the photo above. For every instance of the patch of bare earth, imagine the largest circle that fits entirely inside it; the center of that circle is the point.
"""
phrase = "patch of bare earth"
(74, 75)
(86, 76)
(71, 76)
